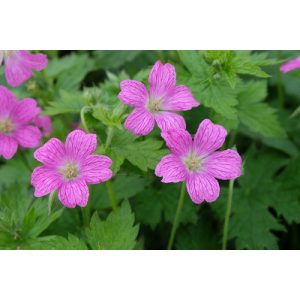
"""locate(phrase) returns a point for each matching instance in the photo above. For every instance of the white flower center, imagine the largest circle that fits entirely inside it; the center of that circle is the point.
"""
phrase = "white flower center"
(6, 126)
(69, 171)
(8, 53)
(154, 105)
(193, 162)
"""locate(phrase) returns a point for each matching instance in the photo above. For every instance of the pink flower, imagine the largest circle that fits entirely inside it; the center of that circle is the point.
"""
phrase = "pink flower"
(15, 119)
(44, 123)
(159, 104)
(290, 65)
(197, 162)
(69, 168)
(19, 64)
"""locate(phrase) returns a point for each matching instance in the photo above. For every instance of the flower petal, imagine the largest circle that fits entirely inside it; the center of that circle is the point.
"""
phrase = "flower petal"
(7, 101)
(169, 121)
(44, 123)
(74, 193)
(290, 65)
(209, 137)
(28, 136)
(171, 169)
(180, 98)
(45, 181)
(224, 164)
(95, 169)
(162, 79)
(140, 122)
(8, 146)
(179, 141)
(37, 61)
(202, 187)
(133, 93)
(25, 111)
(80, 144)
(51, 153)
(19, 66)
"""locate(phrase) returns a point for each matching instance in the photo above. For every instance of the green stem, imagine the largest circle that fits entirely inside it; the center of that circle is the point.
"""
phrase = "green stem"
(227, 215)
(111, 195)
(82, 117)
(280, 84)
(177, 216)
(50, 201)
(110, 133)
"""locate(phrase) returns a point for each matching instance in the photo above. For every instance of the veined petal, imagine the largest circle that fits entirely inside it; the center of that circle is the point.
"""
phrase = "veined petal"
(80, 144)
(140, 122)
(95, 169)
(162, 79)
(179, 99)
(209, 137)
(169, 121)
(52, 153)
(223, 164)
(28, 136)
(74, 193)
(37, 61)
(44, 123)
(25, 111)
(45, 181)
(171, 169)
(133, 93)
(202, 187)
(8, 146)
(16, 71)
(7, 101)
(179, 141)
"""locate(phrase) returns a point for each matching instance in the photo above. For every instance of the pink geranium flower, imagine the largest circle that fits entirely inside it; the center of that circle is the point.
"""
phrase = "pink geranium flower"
(69, 168)
(19, 65)
(290, 65)
(16, 118)
(44, 123)
(159, 104)
(197, 162)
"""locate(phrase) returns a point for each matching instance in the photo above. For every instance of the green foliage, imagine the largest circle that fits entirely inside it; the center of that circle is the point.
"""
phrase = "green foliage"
(117, 232)
(241, 90)
(142, 154)
(23, 219)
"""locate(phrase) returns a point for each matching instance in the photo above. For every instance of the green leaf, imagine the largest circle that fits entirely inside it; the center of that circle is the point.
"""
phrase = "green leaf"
(142, 154)
(59, 243)
(252, 224)
(257, 115)
(152, 204)
(22, 219)
(117, 232)
(70, 70)
(216, 94)
(68, 102)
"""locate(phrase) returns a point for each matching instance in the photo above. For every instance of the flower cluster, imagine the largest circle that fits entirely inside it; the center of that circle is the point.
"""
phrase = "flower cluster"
(69, 167)
(194, 161)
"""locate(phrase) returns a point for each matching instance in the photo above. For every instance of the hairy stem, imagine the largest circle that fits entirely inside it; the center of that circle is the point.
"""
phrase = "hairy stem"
(82, 117)
(280, 84)
(177, 216)
(50, 201)
(227, 214)
(111, 195)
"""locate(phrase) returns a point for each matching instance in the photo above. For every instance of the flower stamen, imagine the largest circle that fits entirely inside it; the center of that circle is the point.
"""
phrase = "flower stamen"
(69, 171)
(154, 105)
(193, 162)
(6, 126)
